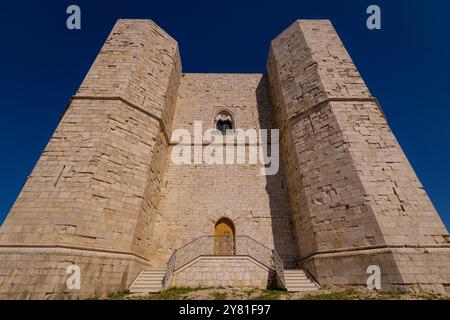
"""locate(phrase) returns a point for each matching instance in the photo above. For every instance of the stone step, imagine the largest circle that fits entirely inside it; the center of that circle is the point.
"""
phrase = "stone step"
(140, 281)
(149, 281)
(295, 276)
(297, 284)
(146, 290)
(302, 289)
(293, 271)
(143, 286)
(154, 273)
(294, 285)
(152, 276)
(298, 281)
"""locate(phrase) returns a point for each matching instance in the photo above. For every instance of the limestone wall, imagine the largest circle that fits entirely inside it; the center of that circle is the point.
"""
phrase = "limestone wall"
(403, 210)
(96, 186)
(195, 197)
(351, 187)
(327, 196)
(87, 188)
(40, 273)
(106, 195)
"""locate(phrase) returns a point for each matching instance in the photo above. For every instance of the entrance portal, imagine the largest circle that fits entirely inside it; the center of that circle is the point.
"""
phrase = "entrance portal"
(224, 237)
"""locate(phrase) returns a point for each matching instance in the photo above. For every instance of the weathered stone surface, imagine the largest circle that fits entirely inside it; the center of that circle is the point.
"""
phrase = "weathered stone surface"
(96, 186)
(41, 273)
(351, 187)
(106, 196)
(236, 272)
(196, 196)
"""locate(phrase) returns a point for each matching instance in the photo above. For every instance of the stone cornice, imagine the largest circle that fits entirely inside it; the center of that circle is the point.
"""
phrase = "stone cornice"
(383, 247)
(70, 247)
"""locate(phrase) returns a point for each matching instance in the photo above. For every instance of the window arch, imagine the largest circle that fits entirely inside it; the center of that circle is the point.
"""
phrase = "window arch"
(224, 121)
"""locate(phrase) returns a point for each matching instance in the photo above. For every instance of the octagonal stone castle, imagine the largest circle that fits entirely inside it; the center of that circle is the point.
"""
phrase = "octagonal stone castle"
(106, 197)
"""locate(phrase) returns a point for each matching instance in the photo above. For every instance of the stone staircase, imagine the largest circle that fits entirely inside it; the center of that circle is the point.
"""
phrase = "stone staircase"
(148, 281)
(298, 281)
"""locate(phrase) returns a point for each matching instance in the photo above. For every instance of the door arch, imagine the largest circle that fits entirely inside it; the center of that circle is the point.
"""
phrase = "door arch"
(224, 237)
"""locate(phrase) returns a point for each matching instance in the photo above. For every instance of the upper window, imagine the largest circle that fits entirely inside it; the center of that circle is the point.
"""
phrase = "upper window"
(224, 122)
(223, 126)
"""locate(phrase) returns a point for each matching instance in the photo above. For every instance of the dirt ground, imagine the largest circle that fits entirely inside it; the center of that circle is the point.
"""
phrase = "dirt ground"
(255, 294)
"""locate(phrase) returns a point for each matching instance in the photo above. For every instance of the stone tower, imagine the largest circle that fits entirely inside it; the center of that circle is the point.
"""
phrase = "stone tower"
(355, 198)
(106, 197)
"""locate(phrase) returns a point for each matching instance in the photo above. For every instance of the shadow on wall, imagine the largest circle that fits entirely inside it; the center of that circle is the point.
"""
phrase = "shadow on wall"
(285, 242)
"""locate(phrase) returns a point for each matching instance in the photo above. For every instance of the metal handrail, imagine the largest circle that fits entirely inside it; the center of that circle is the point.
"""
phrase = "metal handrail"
(169, 271)
(214, 246)
(311, 276)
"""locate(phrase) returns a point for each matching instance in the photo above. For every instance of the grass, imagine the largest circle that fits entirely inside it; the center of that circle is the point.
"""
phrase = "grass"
(183, 293)
(433, 297)
(250, 292)
(220, 295)
(388, 296)
(353, 294)
(270, 295)
(174, 294)
(347, 294)
(118, 295)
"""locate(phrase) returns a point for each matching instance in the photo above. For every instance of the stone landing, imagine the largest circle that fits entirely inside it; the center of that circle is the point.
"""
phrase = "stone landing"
(223, 271)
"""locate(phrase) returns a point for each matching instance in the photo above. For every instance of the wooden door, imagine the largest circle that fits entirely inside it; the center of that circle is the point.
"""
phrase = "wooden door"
(224, 237)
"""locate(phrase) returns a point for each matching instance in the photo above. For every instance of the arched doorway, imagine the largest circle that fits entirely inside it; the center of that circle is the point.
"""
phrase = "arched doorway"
(224, 234)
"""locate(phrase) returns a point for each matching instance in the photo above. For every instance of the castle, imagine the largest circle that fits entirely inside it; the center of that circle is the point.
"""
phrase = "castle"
(106, 197)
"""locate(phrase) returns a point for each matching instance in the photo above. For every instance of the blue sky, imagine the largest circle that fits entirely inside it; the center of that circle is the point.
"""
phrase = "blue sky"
(406, 66)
